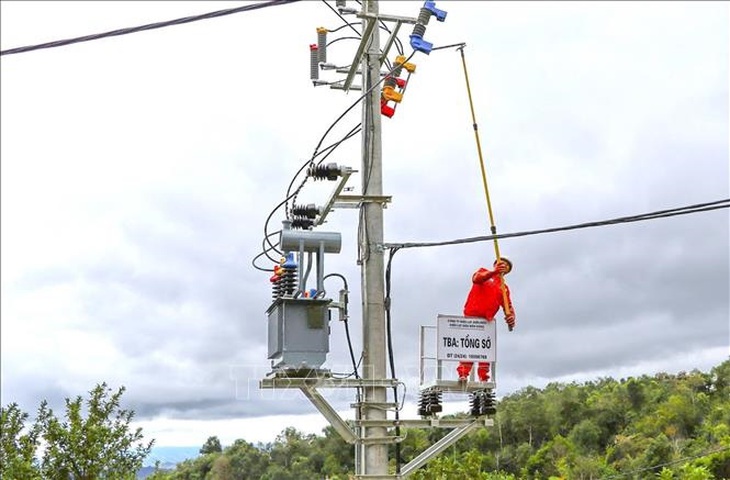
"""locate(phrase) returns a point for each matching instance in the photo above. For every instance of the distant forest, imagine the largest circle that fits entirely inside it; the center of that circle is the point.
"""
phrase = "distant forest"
(662, 426)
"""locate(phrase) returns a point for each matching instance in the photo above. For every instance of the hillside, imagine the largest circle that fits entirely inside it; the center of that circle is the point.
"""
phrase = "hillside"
(662, 426)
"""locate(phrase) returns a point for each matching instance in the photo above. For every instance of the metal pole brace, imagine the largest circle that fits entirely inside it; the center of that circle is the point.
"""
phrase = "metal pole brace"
(380, 405)
(356, 201)
(380, 440)
(387, 18)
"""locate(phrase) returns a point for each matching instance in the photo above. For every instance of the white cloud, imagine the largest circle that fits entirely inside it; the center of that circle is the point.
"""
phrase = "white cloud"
(137, 173)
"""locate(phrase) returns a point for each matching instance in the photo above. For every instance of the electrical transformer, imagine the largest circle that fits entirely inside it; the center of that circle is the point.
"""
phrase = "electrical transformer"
(298, 318)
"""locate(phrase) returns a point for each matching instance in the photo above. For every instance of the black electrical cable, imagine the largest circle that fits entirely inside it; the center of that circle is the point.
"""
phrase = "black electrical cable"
(265, 251)
(702, 207)
(391, 359)
(342, 18)
(398, 43)
(354, 131)
(317, 152)
(346, 318)
(342, 38)
(149, 26)
(347, 24)
(355, 365)
(329, 149)
(341, 116)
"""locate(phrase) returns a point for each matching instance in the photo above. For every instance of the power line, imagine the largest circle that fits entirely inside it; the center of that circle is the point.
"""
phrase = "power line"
(701, 207)
(149, 26)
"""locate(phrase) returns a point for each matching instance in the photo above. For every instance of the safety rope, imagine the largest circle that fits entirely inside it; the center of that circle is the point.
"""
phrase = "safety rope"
(492, 226)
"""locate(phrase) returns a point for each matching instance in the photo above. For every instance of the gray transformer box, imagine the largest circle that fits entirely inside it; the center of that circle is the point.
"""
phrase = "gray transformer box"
(298, 333)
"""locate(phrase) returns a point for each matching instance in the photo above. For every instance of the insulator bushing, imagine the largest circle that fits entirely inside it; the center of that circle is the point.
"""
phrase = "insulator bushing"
(322, 44)
(313, 62)
(419, 29)
(488, 404)
(302, 222)
(435, 401)
(424, 16)
(288, 282)
(321, 172)
(390, 81)
(475, 404)
(423, 404)
(308, 211)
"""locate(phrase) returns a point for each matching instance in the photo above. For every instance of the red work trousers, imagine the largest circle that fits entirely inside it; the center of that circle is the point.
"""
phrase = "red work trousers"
(464, 369)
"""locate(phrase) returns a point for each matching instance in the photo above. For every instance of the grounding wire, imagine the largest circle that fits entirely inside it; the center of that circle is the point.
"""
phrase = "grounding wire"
(347, 330)
(391, 359)
(149, 26)
(355, 365)
(703, 207)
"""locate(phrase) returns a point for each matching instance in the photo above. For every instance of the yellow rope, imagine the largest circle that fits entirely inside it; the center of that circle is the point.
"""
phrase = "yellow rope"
(492, 226)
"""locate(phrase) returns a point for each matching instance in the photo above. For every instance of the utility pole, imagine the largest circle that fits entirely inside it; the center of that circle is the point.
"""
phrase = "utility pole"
(375, 455)
(298, 325)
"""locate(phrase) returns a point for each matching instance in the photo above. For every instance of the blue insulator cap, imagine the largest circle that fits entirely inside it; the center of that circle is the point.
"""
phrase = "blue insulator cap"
(312, 292)
(431, 7)
(289, 262)
(421, 45)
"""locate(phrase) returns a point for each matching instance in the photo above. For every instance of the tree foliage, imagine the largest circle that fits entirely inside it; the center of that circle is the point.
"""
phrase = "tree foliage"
(93, 440)
(662, 426)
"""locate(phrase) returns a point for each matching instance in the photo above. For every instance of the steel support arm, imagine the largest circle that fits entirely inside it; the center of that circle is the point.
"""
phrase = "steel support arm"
(438, 447)
(330, 414)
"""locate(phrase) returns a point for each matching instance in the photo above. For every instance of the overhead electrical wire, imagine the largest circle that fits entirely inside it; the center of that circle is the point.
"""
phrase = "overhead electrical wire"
(700, 207)
(149, 26)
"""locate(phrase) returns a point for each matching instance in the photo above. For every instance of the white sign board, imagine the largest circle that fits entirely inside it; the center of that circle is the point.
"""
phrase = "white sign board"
(467, 339)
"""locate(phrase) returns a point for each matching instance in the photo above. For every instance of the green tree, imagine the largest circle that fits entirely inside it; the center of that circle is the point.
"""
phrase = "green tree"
(222, 469)
(97, 446)
(247, 461)
(212, 445)
(18, 444)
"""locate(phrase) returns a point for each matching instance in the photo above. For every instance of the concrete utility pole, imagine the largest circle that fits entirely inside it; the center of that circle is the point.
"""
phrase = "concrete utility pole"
(298, 327)
(375, 455)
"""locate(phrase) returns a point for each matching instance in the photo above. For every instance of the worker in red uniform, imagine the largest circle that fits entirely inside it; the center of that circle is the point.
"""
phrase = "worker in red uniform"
(484, 300)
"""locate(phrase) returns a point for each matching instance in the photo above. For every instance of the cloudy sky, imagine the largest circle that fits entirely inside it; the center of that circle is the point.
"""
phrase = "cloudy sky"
(137, 173)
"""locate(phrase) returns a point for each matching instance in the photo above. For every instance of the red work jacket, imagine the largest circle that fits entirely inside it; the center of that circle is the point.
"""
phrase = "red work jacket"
(485, 297)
